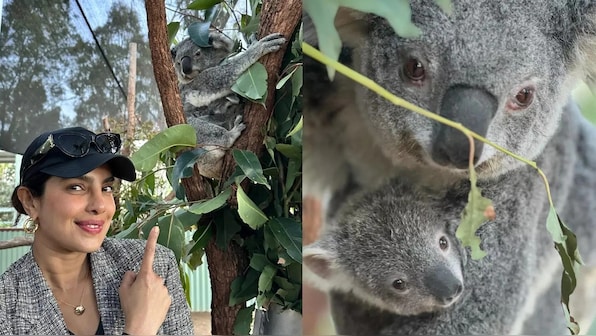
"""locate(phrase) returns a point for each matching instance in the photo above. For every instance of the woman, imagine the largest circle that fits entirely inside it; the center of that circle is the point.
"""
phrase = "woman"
(75, 280)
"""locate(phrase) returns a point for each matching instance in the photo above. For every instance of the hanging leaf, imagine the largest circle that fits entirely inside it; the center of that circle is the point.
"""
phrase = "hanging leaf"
(244, 320)
(173, 28)
(446, 6)
(286, 78)
(250, 165)
(182, 135)
(199, 33)
(248, 210)
(211, 204)
(288, 233)
(566, 245)
(171, 234)
(296, 128)
(290, 151)
(226, 227)
(201, 238)
(203, 4)
(252, 84)
(478, 210)
(244, 288)
(184, 166)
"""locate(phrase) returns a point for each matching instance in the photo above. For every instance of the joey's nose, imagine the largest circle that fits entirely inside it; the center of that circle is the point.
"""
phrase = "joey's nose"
(443, 285)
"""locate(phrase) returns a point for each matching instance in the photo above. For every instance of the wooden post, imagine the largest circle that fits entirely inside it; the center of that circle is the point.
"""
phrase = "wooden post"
(130, 102)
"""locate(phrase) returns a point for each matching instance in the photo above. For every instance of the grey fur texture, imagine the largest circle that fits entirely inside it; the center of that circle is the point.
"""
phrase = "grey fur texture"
(393, 248)
(505, 50)
(205, 77)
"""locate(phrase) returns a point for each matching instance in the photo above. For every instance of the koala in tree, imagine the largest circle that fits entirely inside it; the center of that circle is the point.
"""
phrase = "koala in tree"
(394, 248)
(504, 69)
(205, 77)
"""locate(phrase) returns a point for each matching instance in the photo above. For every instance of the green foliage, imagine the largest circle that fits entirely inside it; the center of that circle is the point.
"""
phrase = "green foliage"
(263, 215)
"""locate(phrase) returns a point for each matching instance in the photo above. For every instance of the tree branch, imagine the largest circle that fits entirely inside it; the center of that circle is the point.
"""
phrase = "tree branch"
(16, 242)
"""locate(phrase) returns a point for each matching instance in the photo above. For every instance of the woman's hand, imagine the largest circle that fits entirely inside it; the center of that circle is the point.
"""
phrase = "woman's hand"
(144, 297)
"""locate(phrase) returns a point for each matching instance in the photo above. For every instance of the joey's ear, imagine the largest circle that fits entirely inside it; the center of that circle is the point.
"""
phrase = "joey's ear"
(321, 266)
(30, 203)
(220, 41)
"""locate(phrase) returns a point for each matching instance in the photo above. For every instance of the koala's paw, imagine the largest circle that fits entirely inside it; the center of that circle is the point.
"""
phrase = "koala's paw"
(239, 126)
(271, 43)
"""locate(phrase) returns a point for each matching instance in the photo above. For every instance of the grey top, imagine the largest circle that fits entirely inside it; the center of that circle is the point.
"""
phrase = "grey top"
(27, 305)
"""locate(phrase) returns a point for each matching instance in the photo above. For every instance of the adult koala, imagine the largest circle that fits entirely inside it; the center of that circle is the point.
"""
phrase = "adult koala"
(505, 70)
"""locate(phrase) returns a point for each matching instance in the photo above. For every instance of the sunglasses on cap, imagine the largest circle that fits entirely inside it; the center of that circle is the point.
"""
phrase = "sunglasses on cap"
(77, 145)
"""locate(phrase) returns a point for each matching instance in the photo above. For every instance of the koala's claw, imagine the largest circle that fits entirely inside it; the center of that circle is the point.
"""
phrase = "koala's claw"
(272, 42)
(238, 125)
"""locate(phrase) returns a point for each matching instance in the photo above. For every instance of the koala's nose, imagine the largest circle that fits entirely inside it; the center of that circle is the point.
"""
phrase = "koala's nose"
(474, 108)
(186, 65)
(443, 285)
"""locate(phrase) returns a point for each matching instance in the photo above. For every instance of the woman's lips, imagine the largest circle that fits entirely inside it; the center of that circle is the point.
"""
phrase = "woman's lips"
(93, 227)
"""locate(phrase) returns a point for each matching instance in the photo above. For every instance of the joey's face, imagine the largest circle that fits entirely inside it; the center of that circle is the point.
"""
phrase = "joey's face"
(493, 66)
(404, 258)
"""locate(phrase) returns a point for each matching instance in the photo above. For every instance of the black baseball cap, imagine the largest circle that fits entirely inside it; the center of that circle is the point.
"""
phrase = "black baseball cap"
(55, 162)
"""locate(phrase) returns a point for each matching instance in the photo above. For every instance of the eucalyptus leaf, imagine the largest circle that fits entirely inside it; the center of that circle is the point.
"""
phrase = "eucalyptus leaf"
(252, 84)
(203, 4)
(173, 28)
(184, 166)
(243, 320)
(250, 165)
(288, 233)
(285, 78)
(182, 135)
(211, 204)
(266, 278)
(259, 261)
(171, 234)
(244, 287)
(290, 151)
(248, 210)
(296, 128)
(473, 216)
(199, 34)
(226, 227)
(201, 237)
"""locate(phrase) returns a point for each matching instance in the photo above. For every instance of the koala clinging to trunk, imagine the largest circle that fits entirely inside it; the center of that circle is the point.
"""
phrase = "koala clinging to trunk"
(504, 69)
(393, 248)
(205, 77)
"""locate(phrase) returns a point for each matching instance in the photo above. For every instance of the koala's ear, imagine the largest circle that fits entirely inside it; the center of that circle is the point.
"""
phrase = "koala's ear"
(220, 41)
(320, 265)
(576, 31)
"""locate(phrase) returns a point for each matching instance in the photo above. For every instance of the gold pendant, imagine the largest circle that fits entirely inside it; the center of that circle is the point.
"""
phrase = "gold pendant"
(79, 310)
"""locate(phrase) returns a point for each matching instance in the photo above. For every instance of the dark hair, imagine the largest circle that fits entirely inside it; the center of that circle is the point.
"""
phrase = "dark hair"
(36, 185)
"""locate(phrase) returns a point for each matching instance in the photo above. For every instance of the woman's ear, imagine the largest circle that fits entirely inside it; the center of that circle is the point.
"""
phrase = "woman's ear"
(30, 203)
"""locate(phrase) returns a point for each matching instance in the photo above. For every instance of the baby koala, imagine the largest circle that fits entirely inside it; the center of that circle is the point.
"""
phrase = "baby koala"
(394, 248)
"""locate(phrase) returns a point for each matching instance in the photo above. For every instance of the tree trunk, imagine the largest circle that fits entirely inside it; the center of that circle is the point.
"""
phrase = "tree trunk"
(224, 266)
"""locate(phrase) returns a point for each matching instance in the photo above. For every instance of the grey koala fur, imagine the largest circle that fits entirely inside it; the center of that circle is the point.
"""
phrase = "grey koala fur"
(205, 77)
(487, 51)
(393, 233)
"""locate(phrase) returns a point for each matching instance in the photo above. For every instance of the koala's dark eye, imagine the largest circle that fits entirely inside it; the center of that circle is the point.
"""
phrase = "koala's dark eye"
(524, 98)
(413, 70)
(198, 52)
(443, 243)
(399, 284)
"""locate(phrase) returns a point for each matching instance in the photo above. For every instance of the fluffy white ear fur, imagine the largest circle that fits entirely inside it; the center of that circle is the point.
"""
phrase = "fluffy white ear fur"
(319, 267)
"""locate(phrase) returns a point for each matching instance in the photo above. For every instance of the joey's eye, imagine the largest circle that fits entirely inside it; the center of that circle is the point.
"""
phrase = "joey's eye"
(399, 284)
(443, 243)
(413, 69)
(198, 52)
(523, 98)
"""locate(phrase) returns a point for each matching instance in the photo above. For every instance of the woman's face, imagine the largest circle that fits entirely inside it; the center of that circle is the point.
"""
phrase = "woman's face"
(75, 213)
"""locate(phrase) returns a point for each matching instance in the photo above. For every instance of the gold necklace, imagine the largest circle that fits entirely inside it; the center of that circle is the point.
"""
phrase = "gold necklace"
(80, 309)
